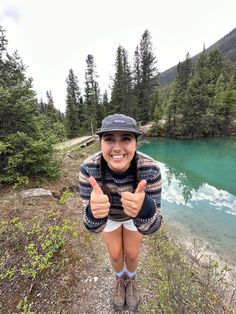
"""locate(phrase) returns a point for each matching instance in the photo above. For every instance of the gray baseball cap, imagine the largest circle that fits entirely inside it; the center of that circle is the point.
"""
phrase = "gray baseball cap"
(119, 122)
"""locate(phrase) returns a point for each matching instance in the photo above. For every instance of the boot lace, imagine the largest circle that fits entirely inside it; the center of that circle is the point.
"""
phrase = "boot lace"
(119, 284)
(132, 285)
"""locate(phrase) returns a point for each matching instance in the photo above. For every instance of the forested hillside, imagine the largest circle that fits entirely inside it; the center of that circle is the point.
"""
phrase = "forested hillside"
(201, 101)
(226, 46)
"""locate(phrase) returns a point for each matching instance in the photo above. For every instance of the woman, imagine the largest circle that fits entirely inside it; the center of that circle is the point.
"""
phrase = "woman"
(121, 193)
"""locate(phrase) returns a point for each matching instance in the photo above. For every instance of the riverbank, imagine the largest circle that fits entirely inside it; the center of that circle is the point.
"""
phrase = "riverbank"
(183, 236)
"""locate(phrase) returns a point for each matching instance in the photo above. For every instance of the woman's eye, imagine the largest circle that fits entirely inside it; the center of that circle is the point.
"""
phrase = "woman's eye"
(125, 139)
(108, 139)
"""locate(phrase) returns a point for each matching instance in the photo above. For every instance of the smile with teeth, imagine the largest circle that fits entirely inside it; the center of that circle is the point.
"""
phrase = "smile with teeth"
(117, 157)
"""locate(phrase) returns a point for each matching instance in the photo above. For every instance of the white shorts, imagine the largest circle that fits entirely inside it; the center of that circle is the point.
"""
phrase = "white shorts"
(113, 225)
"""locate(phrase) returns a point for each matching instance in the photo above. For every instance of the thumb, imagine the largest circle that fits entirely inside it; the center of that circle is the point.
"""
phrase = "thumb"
(141, 186)
(95, 185)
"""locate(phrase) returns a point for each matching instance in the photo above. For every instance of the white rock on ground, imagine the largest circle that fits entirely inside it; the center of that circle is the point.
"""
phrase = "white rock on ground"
(38, 192)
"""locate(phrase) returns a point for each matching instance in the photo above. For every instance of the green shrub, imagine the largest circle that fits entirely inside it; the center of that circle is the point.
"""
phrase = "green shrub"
(47, 129)
(185, 285)
(22, 157)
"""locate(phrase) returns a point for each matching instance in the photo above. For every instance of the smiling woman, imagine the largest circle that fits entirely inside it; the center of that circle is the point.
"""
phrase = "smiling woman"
(121, 193)
(118, 150)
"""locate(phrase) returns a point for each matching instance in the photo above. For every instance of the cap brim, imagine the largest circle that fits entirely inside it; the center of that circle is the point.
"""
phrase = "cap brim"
(138, 133)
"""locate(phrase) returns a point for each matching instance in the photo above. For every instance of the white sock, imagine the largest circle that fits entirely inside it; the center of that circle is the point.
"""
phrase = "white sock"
(130, 274)
(120, 273)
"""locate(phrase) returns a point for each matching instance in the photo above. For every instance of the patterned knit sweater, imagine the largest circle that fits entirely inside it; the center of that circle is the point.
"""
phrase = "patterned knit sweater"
(148, 219)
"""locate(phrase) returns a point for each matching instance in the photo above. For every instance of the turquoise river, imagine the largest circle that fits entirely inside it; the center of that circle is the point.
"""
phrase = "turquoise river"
(199, 190)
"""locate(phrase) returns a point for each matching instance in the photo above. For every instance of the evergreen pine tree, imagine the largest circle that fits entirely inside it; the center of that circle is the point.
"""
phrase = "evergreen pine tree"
(51, 111)
(106, 104)
(224, 108)
(42, 107)
(198, 97)
(197, 118)
(18, 104)
(24, 150)
(93, 110)
(73, 106)
(137, 85)
(148, 78)
(177, 105)
(121, 96)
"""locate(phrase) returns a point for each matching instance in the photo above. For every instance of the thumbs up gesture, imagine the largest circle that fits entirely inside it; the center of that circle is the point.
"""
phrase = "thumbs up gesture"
(99, 201)
(132, 202)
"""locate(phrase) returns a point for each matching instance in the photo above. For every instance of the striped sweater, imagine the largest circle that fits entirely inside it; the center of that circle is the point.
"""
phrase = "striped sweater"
(148, 219)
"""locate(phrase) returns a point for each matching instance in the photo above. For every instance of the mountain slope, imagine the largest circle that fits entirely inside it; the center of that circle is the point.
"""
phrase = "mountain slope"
(226, 45)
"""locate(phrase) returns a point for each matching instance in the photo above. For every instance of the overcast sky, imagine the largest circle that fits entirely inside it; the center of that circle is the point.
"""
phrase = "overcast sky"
(52, 36)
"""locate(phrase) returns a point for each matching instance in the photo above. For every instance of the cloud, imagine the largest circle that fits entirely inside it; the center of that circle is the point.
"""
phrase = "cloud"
(54, 36)
(11, 13)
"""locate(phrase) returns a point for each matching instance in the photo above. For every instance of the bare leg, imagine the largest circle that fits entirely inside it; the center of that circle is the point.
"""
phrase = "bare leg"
(131, 244)
(113, 242)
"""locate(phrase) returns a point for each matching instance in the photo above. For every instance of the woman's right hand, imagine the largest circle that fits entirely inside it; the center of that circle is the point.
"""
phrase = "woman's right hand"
(99, 201)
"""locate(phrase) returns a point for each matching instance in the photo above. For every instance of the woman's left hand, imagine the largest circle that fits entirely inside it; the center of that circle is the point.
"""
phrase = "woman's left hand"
(132, 202)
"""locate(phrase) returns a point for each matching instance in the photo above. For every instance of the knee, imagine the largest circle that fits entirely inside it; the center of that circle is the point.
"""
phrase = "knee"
(116, 256)
(131, 256)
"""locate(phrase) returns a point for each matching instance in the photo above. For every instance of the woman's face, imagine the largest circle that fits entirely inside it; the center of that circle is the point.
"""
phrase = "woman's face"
(118, 149)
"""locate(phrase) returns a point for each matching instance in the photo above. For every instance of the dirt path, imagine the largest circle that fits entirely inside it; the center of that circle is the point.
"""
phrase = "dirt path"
(99, 284)
(146, 128)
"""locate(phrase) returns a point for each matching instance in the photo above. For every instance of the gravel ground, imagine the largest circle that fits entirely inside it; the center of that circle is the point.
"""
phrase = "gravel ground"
(99, 285)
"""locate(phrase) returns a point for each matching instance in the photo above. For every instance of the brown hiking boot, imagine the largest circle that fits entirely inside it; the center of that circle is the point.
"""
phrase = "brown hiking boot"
(119, 294)
(132, 295)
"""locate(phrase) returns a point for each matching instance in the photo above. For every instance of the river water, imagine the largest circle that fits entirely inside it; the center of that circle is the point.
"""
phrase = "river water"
(199, 190)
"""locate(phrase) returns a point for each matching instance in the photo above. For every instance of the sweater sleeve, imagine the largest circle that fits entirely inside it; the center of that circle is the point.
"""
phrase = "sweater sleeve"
(90, 222)
(149, 218)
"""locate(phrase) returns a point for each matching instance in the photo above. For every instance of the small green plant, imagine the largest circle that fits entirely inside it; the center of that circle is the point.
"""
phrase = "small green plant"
(18, 224)
(50, 240)
(64, 197)
(5, 270)
(11, 230)
(52, 214)
(24, 307)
